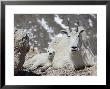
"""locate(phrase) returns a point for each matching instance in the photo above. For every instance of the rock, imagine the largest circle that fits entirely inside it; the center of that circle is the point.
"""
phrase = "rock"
(21, 47)
(26, 73)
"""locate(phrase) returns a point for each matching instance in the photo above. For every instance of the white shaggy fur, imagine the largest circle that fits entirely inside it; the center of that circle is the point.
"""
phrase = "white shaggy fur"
(87, 55)
(62, 57)
(43, 59)
(77, 59)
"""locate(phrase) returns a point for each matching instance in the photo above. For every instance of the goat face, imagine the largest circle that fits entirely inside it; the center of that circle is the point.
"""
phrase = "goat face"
(51, 53)
(73, 38)
(73, 41)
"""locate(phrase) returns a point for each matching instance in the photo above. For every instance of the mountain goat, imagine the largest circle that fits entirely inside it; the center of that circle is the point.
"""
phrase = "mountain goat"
(74, 47)
(43, 59)
(62, 57)
(69, 51)
(79, 51)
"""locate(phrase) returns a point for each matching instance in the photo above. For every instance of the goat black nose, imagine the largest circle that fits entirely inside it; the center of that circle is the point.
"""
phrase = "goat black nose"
(74, 47)
(50, 53)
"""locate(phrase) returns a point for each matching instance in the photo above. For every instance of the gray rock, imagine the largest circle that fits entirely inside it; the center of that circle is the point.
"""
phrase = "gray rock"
(21, 47)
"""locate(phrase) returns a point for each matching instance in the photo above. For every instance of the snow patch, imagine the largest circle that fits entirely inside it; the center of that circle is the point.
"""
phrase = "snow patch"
(59, 21)
(75, 24)
(17, 24)
(51, 37)
(29, 43)
(35, 29)
(25, 30)
(44, 24)
(45, 49)
(94, 16)
(90, 23)
(48, 43)
(30, 22)
(32, 45)
(30, 29)
(36, 42)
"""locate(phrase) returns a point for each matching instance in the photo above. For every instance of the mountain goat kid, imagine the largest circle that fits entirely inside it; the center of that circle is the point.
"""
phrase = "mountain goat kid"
(43, 59)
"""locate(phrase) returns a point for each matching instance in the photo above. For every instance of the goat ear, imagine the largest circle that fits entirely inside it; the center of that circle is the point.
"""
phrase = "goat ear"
(65, 32)
(81, 29)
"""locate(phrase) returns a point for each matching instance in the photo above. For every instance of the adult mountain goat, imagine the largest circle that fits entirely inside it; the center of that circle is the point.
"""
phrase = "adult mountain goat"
(43, 59)
(69, 51)
(62, 57)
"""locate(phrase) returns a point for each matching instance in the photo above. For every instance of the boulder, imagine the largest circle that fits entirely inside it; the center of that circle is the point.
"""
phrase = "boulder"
(21, 47)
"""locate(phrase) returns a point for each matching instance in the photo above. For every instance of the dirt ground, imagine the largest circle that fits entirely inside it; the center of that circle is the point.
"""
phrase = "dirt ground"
(87, 71)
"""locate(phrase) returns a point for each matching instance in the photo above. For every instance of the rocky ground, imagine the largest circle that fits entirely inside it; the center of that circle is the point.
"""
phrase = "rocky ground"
(87, 71)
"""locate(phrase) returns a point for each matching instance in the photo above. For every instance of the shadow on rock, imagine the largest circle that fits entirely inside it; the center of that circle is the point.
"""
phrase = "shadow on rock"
(26, 73)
